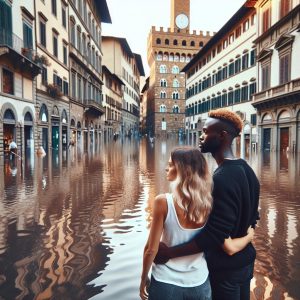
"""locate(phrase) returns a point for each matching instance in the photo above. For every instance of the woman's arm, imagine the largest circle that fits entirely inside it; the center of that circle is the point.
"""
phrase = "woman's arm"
(151, 248)
(232, 246)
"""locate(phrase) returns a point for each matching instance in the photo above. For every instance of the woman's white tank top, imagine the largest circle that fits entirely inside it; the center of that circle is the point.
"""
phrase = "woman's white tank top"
(186, 271)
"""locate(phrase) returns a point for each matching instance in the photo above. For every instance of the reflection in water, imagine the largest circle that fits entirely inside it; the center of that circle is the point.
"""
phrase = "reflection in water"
(73, 225)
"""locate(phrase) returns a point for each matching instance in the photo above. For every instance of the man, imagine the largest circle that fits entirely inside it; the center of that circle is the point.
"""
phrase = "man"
(235, 208)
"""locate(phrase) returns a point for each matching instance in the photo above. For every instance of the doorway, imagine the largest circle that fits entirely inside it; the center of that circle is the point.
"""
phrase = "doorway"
(284, 139)
(55, 137)
(45, 138)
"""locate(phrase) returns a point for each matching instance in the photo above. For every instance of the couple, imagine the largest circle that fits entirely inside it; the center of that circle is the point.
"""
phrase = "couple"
(204, 216)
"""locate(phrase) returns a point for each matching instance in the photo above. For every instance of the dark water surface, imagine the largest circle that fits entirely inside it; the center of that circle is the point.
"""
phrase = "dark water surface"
(73, 225)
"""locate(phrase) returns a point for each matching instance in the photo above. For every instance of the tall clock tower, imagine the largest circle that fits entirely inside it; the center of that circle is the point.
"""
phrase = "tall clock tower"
(169, 50)
(180, 15)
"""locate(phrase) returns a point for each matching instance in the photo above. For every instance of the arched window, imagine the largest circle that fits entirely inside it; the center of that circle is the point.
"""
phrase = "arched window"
(175, 109)
(163, 94)
(175, 43)
(64, 117)
(158, 41)
(175, 95)
(159, 56)
(175, 70)
(78, 125)
(175, 83)
(201, 44)
(176, 57)
(44, 113)
(188, 58)
(163, 82)
(28, 117)
(192, 44)
(171, 57)
(167, 41)
(184, 43)
(72, 123)
(72, 30)
(166, 57)
(9, 115)
(162, 108)
(163, 69)
(182, 58)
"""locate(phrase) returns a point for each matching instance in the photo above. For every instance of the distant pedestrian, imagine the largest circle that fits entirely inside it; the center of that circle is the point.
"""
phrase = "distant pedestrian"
(13, 148)
(177, 218)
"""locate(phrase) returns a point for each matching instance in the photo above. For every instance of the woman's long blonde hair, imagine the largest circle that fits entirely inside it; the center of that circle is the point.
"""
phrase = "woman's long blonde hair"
(193, 185)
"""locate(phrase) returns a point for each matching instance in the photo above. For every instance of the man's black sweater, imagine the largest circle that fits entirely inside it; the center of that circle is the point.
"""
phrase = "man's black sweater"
(235, 208)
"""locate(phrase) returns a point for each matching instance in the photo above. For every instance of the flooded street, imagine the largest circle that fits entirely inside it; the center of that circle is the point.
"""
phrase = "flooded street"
(73, 225)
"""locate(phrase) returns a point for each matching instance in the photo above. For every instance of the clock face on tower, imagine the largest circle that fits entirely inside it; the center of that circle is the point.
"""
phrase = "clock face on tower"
(182, 21)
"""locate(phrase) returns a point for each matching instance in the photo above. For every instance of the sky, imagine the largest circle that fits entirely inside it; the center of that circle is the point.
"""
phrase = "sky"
(133, 19)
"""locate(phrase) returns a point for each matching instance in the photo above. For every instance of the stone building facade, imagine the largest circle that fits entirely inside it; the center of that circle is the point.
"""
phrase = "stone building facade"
(223, 74)
(278, 98)
(113, 89)
(168, 52)
(19, 67)
(128, 66)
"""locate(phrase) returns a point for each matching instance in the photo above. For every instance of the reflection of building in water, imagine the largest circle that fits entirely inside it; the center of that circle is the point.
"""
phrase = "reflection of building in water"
(278, 97)
(58, 230)
(277, 236)
(120, 180)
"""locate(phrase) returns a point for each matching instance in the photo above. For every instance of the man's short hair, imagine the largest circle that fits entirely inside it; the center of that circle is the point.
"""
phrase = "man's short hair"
(229, 117)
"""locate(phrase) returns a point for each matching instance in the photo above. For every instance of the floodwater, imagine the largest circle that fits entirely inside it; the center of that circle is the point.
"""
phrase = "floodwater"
(73, 225)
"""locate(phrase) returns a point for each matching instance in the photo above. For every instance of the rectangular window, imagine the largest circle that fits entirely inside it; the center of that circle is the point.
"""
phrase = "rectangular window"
(265, 84)
(285, 68)
(79, 40)
(231, 69)
(238, 32)
(73, 85)
(54, 7)
(237, 66)
(245, 94)
(266, 20)
(79, 89)
(224, 100)
(224, 75)
(285, 7)
(44, 75)
(245, 61)
(253, 119)
(252, 57)
(72, 25)
(6, 24)
(252, 89)
(55, 45)
(65, 88)
(230, 98)
(43, 33)
(27, 36)
(237, 96)
(64, 17)
(7, 82)
(246, 25)
(65, 54)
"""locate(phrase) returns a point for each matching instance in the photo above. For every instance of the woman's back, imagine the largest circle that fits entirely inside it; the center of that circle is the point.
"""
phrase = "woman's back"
(178, 230)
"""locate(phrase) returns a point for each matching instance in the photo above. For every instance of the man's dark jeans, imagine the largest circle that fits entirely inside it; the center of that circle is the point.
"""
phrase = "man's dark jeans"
(231, 284)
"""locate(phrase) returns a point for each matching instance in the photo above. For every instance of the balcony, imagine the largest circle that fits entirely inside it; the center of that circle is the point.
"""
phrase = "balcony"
(94, 107)
(281, 94)
(12, 50)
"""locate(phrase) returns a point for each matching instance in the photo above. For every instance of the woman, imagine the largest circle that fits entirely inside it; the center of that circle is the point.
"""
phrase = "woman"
(177, 218)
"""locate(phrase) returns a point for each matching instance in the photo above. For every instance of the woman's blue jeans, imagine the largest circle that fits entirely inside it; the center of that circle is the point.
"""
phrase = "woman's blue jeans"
(165, 291)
